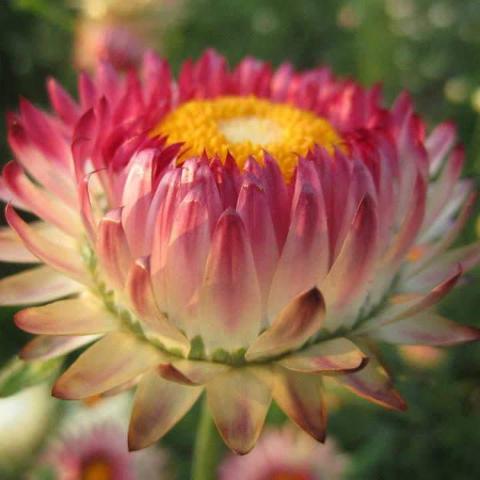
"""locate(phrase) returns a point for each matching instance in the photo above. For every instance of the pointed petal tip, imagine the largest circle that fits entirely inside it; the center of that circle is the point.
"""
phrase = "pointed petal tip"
(134, 441)
(59, 392)
(300, 319)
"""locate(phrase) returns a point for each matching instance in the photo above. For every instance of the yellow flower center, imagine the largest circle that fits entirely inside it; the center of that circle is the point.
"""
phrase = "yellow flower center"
(289, 475)
(247, 126)
(97, 470)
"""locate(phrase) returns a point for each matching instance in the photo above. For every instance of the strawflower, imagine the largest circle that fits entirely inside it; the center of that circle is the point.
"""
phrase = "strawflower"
(286, 454)
(240, 232)
(100, 453)
(90, 444)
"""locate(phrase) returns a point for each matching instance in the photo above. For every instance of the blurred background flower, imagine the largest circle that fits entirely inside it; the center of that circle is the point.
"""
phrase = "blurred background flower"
(90, 444)
(286, 454)
(119, 31)
(24, 421)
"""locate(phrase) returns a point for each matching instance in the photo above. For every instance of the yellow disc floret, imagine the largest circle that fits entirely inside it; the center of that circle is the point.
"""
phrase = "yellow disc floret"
(247, 126)
(97, 470)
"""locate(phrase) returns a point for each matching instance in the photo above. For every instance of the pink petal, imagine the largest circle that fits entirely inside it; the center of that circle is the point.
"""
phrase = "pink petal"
(37, 285)
(159, 404)
(188, 249)
(430, 252)
(409, 304)
(438, 144)
(301, 397)
(230, 303)
(114, 359)
(295, 324)
(154, 323)
(40, 166)
(304, 259)
(254, 210)
(426, 328)
(374, 384)
(112, 248)
(12, 249)
(40, 202)
(45, 347)
(440, 191)
(61, 258)
(411, 225)
(335, 355)
(65, 107)
(136, 199)
(443, 267)
(349, 277)
(239, 417)
(78, 316)
(191, 372)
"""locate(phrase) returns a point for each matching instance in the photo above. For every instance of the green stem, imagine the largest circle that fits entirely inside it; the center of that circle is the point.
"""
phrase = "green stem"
(206, 447)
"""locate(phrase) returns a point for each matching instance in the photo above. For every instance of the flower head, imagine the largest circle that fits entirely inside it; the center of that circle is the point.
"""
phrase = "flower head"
(286, 454)
(241, 232)
(100, 453)
(91, 445)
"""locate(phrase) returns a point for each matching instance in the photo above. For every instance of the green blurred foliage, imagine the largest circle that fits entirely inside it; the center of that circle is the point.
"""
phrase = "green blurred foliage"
(429, 47)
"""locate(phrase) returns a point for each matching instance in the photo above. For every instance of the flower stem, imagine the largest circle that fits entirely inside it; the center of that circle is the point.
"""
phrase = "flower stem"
(206, 447)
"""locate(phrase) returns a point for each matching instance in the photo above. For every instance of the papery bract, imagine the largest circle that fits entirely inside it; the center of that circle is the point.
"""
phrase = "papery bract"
(237, 231)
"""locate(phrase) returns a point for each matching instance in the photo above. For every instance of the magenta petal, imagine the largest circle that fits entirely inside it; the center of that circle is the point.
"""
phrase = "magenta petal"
(155, 324)
(59, 257)
(230, 303)
(112, 248)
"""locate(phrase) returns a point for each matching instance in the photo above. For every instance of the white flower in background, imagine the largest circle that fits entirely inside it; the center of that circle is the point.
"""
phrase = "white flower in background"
(24, 419)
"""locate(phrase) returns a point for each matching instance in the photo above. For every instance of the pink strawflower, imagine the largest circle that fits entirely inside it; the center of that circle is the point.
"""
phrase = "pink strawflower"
(237, 231)
(286, 454)
(101, 453)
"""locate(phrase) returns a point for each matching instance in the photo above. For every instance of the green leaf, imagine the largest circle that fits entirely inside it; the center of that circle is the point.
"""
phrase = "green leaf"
(17, 374)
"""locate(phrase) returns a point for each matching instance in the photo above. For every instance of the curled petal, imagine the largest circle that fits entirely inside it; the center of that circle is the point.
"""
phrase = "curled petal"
(37, 285)
(122, 358)
(159, 404)
(239, 416)
(301, 397)
(338, 355)
(78, 316)
(295, 324)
